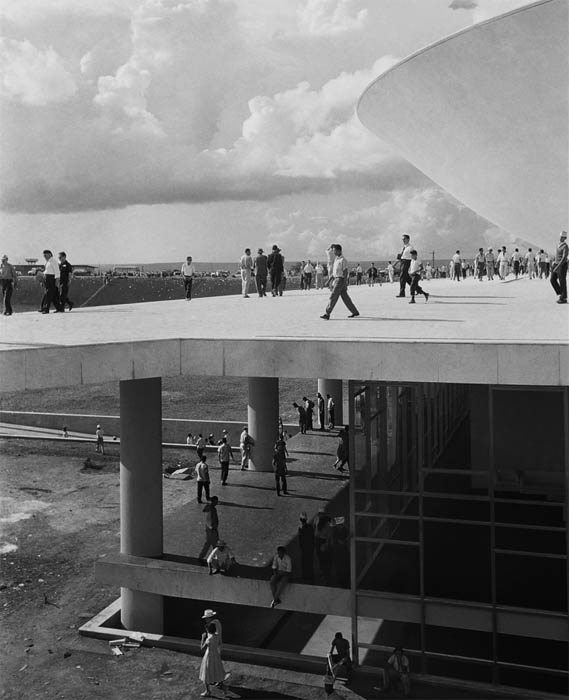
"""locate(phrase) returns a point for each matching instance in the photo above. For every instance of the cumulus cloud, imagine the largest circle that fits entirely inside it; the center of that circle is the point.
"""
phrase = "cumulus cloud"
(330, 17)
(33, 76)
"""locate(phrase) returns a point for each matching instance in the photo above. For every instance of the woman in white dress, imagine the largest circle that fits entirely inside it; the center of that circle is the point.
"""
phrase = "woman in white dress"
(211, 669)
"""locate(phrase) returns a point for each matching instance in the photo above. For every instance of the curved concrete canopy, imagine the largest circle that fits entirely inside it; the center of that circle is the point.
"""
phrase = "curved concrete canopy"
(484, 113)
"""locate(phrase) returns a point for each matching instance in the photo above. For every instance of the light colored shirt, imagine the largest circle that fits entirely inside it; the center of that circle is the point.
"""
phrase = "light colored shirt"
(561, 252)
(8, 272)
(406, 252)
(188, 269)
(202, 472)
(319, 269)
(52, 268)
(415, 267)
(456, 258)
(340, 267)
(530, 256)
(220, 557)
(224, 452)
(308, 269)
(401, 664)
(284, 564)
(502, 257)
(246, 262)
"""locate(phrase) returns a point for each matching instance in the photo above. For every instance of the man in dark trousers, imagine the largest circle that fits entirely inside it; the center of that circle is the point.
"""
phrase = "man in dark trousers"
(279, 466)
(51, 277)
(321, 411)
(65, 272)
(306, 544)
(261, 271)
(559, 269)
(301, 418)
(211, 527)
(404, 258)
(275, 263)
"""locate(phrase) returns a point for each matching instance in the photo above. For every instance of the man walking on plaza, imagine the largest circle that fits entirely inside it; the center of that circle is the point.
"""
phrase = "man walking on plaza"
(261, 272)
(211, 527)
(503, 263)
(490, 262)
(559, 269)
(51, 276)
(340, 285)
(279, 466)
(404, 258)
(415, 274)
(202, 478)
(246, 267)
(530, 263)
(188, 273)
(275, 262)
(224, 454)
(480, 262)
(9, 283)
(65, 275)
(282, 569)
(457, 266)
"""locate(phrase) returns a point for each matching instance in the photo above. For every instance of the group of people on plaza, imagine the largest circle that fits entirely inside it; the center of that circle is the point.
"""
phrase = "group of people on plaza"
(55, 278)
(263, 268)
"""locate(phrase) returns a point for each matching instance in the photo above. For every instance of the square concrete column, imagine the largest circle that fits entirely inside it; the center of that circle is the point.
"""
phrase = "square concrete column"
(334, 388)
(141, 493)
(263, 421)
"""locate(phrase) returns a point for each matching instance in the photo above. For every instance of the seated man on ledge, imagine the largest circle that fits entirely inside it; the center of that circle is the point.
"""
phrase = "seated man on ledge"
(220, 559)
(397, 670)
(340, 655)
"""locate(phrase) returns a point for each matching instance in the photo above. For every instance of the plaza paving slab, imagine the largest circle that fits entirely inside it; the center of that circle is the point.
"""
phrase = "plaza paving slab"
(496, 332)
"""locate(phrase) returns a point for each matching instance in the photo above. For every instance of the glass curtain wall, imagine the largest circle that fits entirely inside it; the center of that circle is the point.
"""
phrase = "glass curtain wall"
(463, 571)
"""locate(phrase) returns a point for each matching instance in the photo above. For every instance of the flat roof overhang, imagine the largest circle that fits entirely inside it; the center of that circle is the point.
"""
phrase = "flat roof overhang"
(484, 113)
(469, 332)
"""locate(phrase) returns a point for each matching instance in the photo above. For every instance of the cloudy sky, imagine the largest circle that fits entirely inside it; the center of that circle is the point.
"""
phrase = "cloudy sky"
(146, 130)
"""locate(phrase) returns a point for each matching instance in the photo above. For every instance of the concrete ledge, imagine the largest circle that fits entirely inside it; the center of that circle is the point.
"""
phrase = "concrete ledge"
(189, 581)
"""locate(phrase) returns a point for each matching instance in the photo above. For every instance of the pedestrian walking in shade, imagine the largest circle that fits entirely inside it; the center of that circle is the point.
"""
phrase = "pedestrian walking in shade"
(324, 544)
(188, 274)
(65, 277)
(246, 267)
(301, 418)
(224, 454)
(404, 258)
(211, 669)
(342, 452)
(246, 443)
(340, 273)
(202, 478)
(279, 466)
(200, 445)
(99, 440)
(321, 404)
(415, 274)
(331, 412)
(261, 271)
(211, 528)
(559, 269)
(9, 280)
(282, 569)
(306, 545)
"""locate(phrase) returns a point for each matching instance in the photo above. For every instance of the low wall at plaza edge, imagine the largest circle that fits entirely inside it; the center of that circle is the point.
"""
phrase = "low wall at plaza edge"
(173, 429)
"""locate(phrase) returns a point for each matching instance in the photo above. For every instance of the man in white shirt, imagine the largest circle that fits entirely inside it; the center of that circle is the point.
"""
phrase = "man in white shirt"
(390, 272)
(202, 478)
(282, 569)
(457, 266)
(220, 559)
(359, 273)
(516, 257)
(404, 258)
(415, 274)
(331, 406)
(530, 263)
(340, 285)
(480, 262)
(246, 267)
(502, 263)
(224, 454)
(246, 442)
(51, 276)
(319, 270)
(188, 272)
(307, 272)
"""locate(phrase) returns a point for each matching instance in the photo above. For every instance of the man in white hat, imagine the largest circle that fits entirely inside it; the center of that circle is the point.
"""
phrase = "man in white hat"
(220, 559)
(558, 277)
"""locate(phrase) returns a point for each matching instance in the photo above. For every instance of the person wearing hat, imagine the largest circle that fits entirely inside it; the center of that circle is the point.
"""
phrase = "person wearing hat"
(261, 271)
(558, 277)
(306, 544)
(99, 440)
(9, 283)
(211, 669)
(210, 618)
(220, 559)
(275, 263)
(490, 263)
